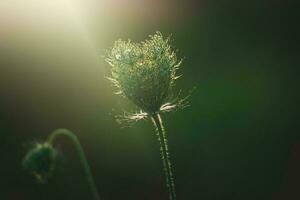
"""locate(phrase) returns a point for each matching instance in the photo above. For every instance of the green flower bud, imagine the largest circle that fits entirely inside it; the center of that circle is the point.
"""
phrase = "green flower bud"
(41, 161)
(144, 72)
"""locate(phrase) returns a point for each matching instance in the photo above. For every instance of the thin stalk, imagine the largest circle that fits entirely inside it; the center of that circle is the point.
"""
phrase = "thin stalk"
(64, 132)
(161, 134)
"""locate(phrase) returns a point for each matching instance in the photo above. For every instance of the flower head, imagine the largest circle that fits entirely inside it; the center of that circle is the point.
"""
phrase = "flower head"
(40, 161)
(144, 72)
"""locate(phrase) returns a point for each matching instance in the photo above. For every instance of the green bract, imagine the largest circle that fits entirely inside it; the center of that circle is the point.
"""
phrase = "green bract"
(144, 72)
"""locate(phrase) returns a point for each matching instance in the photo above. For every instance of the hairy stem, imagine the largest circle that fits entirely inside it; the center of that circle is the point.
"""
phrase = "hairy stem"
(157, 121)
(64, 132)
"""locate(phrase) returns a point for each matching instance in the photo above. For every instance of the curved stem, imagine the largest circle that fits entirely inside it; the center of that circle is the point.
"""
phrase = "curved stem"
(60, 132)
(157, 121)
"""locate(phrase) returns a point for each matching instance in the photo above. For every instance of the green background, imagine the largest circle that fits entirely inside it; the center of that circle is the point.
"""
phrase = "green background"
(239, 139)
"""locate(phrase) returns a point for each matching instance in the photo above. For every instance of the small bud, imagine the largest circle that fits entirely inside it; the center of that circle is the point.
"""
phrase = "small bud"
(144, 72)
(41, 161)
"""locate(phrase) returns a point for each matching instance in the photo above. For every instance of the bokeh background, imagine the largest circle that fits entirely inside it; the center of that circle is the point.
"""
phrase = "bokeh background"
(239, 139)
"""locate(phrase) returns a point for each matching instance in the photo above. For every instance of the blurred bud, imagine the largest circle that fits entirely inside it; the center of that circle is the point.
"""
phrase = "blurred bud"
(40, 161)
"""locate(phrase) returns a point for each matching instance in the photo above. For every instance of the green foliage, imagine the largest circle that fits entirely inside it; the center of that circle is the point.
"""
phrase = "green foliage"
(41, 161)
(144, 72)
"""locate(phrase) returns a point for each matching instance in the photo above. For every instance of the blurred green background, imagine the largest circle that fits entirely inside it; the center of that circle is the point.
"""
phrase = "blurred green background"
(239, 139)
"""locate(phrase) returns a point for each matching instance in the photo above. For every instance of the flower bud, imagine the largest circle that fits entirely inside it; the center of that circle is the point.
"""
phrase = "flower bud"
(144, 72)
(41, 161)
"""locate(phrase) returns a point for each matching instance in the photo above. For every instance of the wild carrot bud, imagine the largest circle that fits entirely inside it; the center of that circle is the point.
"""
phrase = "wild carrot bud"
(144, 72)
(41, 161)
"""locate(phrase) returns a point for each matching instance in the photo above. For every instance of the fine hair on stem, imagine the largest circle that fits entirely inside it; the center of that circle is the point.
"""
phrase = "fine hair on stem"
(164, 150)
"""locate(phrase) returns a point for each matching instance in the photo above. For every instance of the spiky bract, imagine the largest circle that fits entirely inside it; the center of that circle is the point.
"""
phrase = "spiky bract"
(144, 72)
(41, 161)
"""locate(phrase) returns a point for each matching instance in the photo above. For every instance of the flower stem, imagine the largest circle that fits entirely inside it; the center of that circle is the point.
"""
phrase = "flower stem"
(157, 121)
(82, 157)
